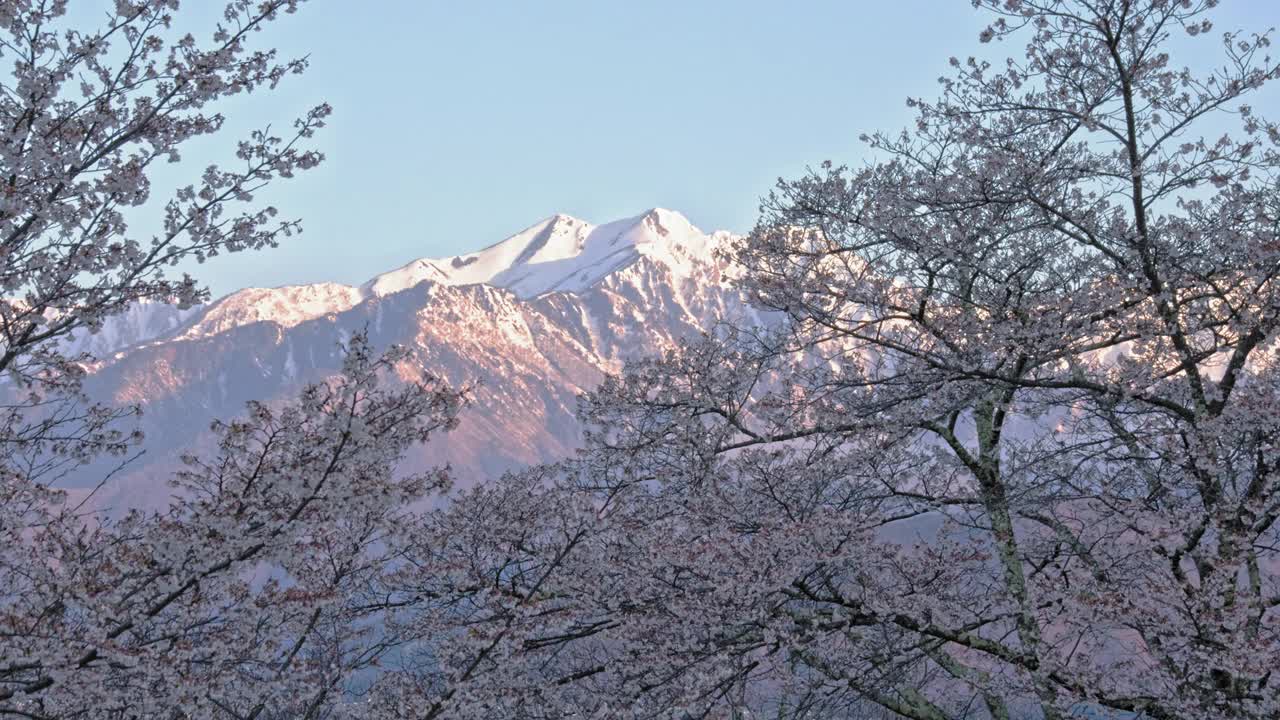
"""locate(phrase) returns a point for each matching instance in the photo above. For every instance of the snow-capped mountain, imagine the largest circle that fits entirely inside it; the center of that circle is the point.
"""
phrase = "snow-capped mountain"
(563, 253)
(529, 322)
(558, 254)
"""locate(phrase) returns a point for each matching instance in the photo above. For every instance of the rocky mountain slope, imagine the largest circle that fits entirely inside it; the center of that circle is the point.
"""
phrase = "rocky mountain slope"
(528, 323)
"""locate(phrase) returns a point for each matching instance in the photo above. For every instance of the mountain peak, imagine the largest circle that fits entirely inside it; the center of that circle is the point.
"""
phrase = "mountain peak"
(564, 219)
(664, 221)
(563, 253)
(559, 253)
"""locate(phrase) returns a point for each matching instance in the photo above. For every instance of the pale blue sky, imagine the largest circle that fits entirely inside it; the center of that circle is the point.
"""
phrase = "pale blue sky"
(458, 123)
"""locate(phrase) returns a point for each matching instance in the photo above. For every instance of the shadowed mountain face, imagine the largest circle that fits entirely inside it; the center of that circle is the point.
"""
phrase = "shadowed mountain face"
(528, 324)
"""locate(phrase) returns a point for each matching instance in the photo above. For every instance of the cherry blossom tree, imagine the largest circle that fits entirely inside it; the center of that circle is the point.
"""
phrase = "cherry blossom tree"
(1010, 451)
(250, 595)
(86, 115)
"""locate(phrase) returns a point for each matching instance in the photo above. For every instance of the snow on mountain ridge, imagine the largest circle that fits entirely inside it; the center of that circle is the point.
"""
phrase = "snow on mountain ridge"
(558, 254)
(563, 253)
(286, 306)
(142, 321)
